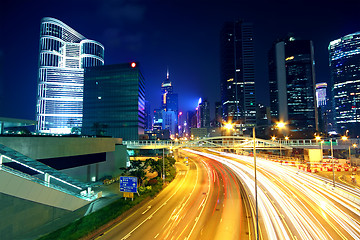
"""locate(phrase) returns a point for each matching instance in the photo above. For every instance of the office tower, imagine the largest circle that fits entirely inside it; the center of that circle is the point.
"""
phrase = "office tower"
(321, 94)
(114, 101)
(292, 85)
(344, 62)
(218, 115)
(64, 53)
(157, 120)
(148, 118)
(169, 106)
(237, 73)
(203, 111)
(323, 110)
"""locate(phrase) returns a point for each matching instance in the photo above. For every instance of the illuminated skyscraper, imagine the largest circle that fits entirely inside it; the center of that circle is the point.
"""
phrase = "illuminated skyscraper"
(64, 53)
(344, 61)
(169, 106)
(321, 94)
(292, 85)
(237, 72)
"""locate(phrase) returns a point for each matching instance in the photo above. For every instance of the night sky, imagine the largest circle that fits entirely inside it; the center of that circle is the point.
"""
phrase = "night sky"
(180, 35)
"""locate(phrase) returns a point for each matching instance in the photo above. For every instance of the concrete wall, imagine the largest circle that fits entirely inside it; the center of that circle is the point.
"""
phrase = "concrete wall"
(22, 188)
(52, 147)
(114, 161)
(24, 219)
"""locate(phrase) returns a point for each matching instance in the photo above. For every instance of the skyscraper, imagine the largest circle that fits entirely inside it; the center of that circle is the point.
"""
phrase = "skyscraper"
(203, 114)
(64, 53)
(344, 62)
(114, 101)
(169, 106)
(292, 85)
(238, 73)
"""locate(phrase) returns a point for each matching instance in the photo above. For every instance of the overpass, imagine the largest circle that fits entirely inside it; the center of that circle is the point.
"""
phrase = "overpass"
(238, 142)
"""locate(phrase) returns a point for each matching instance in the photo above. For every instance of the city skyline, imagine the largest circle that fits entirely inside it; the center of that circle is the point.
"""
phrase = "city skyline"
(187, 42)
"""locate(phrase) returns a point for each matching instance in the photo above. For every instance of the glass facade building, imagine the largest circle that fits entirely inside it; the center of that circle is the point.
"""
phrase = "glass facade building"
(114, 100)
(237, 73)
(344, 62)
(64, 53)
(292, 85)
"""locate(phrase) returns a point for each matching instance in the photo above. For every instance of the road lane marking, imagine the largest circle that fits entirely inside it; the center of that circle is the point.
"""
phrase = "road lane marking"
(148, 208)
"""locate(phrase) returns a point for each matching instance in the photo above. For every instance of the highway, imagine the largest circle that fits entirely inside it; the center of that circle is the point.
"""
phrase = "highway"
(295, 204)
(204, 201)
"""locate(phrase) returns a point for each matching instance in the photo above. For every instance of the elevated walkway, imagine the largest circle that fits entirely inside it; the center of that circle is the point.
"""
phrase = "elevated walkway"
(29, 179)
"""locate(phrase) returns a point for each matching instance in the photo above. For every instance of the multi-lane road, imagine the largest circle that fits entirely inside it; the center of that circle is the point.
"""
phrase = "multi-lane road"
(295, 204)
(213, 198)
(205, 201)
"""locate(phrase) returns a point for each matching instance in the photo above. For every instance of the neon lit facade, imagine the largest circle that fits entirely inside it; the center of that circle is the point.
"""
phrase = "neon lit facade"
(344, 62)
(64, 53)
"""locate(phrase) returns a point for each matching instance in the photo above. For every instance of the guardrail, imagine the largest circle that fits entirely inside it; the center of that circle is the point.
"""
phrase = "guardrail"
(44, 183)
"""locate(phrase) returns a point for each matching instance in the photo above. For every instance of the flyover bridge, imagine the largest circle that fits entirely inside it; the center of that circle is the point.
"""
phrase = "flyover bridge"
(238, 142)
(230, 142)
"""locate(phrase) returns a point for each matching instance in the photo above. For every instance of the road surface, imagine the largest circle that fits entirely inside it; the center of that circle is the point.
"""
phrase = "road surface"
(204, 201)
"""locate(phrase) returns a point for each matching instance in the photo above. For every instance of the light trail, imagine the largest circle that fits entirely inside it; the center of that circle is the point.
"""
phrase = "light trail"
(296, 205)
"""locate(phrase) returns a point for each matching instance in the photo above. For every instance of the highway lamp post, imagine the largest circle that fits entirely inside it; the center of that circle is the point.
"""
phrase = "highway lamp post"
(163, 165)
(354, 146)
(256, 196)
(279, 125)
(332, 158)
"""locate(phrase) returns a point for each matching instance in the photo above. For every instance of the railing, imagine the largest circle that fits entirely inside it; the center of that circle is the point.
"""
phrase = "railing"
(42, 182)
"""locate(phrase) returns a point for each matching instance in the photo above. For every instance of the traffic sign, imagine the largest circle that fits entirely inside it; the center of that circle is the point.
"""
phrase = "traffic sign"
(128, 184)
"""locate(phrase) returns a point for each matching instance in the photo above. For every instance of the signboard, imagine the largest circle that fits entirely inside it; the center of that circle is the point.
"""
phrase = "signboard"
(128, 195)
(128, 184)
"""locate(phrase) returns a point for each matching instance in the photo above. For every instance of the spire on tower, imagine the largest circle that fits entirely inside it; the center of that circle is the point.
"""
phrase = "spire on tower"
(167, 73)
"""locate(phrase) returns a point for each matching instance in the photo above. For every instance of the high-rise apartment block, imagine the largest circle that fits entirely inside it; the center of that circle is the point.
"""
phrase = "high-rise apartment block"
(114, 101)
(64, 53)
(344, 62)
(237, 72)
(292, 85)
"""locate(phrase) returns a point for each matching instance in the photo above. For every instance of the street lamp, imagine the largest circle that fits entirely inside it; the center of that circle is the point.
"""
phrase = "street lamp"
(332, 158)
(355, 146)
(256, 199)
(163, 165)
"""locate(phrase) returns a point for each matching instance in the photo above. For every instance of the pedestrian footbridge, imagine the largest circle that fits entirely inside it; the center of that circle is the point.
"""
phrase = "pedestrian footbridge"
(230, 142)
(238, 142)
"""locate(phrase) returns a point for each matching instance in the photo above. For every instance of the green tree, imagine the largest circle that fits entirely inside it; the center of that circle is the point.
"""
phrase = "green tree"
(136, 169)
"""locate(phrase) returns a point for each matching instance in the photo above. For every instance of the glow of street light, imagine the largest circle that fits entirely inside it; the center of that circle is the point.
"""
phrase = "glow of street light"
(273, 138)
(280, 125)
(229, 126)
(317, 138)
(286, 138)
(344, 138)
(354, 145)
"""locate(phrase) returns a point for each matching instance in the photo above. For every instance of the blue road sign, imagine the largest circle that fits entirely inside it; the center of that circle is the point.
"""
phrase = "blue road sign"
(128, 184)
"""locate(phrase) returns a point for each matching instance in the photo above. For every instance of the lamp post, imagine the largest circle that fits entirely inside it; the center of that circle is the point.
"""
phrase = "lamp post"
(163, 165)
(256, 200)
(354, 146)
(332, 158)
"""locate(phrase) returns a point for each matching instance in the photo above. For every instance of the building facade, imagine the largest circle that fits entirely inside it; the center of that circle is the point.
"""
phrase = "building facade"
(237, 72)
(64, 53)
(114, 101)
(169, 107)
(292, 85)
(344, 62)
(203, 112)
